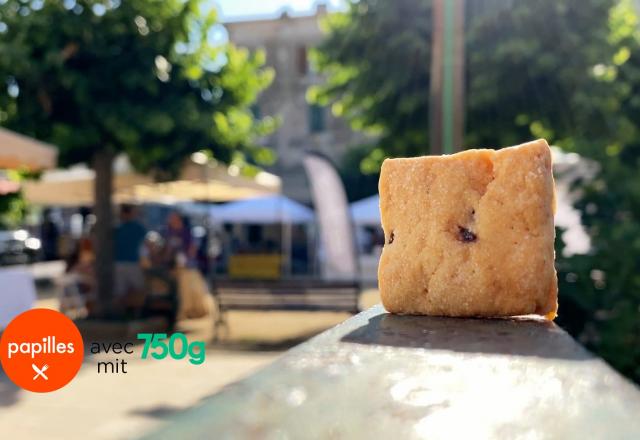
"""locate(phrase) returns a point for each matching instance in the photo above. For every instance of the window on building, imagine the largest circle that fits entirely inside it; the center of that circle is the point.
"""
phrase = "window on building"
(302, 61)
(316, 118)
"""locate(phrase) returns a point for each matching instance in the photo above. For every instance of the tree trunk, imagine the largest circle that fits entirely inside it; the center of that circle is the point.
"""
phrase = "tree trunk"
(103, 232)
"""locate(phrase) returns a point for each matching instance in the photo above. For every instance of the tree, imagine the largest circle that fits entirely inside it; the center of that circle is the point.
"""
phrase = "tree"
(576, 84)
(377, 55)
(145, 77)
(601, 290)
(376, 58)
(567, 71)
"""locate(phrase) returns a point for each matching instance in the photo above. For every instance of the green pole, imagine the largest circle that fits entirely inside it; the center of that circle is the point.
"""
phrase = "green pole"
(448, 107)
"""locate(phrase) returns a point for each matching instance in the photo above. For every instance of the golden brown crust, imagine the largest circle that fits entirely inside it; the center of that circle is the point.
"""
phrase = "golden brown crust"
(470, 234)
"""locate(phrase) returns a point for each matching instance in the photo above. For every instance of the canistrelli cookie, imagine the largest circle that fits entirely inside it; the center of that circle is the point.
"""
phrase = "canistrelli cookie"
(469, 234)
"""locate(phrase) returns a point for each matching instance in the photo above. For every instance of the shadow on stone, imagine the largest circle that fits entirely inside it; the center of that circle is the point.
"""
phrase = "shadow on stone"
(262, 345)
(158, 412)
(519, 336)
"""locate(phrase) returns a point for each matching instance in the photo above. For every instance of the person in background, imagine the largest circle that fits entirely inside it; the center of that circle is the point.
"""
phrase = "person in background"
(179, 250)
(152, 251)
(49, 235)
(180, 253)
(79, 281)
(202, 252)
(129, 237)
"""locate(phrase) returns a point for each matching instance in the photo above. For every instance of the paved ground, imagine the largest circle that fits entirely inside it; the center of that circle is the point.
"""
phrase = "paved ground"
(122, 406)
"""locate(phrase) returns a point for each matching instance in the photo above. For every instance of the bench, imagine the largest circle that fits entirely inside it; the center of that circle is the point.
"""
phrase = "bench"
(291, 295)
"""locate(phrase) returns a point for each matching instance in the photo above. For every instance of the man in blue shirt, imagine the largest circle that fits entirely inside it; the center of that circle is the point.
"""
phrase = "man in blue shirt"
(129, 238)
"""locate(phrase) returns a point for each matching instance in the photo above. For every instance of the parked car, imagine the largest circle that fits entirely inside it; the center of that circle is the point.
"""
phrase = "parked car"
(18, 247)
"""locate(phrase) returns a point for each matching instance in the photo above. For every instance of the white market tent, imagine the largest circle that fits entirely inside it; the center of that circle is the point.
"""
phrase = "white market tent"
(366, 212)
(262, 210)
(17, 151)
(275, 209)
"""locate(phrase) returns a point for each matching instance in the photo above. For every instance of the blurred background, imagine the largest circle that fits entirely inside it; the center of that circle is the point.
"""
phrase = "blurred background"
(150, 145)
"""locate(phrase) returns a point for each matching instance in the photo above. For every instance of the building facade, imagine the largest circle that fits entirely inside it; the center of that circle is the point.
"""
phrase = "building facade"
(287, 41)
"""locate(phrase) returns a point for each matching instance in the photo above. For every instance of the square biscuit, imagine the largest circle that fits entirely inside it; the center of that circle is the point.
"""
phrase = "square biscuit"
(469, 234)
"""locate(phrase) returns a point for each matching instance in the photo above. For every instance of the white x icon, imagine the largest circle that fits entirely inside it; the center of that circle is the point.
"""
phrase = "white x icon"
(40, 371)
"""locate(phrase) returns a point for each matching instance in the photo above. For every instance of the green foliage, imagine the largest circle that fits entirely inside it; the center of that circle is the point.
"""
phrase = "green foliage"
(376, 58)
(601, 291)
(524, 80)
(564, 70)
(13, 207)
(530, 71)
(141, 76)
(144, 77)
(359, 180)
(12, 210)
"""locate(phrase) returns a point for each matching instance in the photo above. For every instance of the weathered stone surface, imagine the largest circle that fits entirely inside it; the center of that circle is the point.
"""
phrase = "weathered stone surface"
(387, 376)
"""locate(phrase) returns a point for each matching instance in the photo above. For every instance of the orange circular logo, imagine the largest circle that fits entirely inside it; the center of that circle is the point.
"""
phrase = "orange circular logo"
(41, 350)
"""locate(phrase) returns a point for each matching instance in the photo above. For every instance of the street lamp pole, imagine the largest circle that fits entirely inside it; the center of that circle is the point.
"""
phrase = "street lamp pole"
(446, 105)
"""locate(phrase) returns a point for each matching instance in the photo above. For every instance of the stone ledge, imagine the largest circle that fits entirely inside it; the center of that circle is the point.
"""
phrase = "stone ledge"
(380, 376)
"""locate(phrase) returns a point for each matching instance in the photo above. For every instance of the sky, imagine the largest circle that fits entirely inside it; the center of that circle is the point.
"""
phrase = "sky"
(231, 10)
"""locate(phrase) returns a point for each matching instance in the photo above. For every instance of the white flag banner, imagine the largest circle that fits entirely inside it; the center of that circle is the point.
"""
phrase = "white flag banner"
(338, 258)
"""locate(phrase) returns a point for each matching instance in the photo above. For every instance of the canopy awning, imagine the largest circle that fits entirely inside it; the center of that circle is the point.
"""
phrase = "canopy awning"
(19, 151)
(73, 187)
(262, 210)
(209, 183)
(206, 183)
(366, 211)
